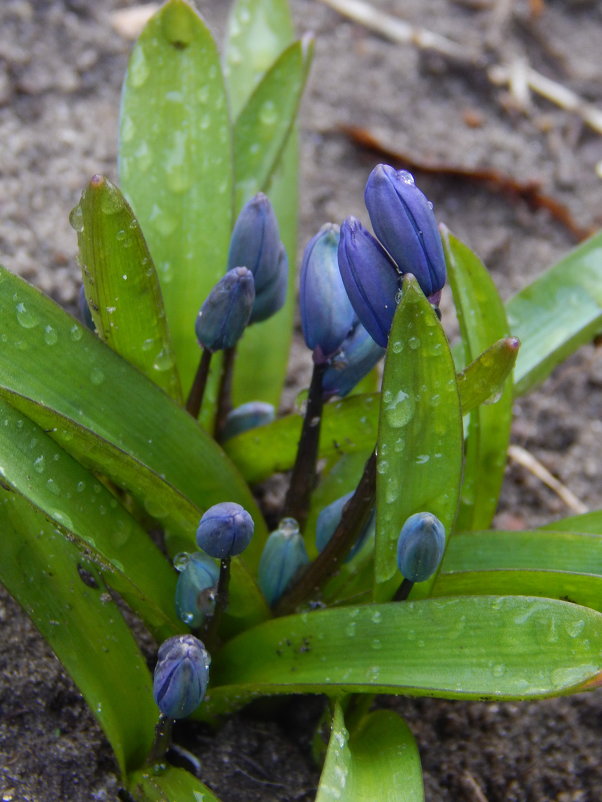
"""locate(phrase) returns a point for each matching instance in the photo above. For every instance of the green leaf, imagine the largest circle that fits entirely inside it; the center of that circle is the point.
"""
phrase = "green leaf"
(121, 283)
(380, 760)
(263, 125)
(420, 442)
(487, 647)
(350, 425)
(80, 390)
(175, 164)
(73, 499)
(555, 564)
(258, 32)
(587, 522)
(164, 783)
(557, 313)
(65, 597)
(482, 320)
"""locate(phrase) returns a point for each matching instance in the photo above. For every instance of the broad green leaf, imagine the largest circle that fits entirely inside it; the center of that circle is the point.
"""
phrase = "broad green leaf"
(557, 313)
(165, 783)
(76, 385)
(258, 32)
(482, 321)
(555, 564)
(587, 522)
(420, 442)
(264, 123)
(33, 465)
(350, 425)
(478, 647)
(64, 595)
(175, 164)
(379, 760)
(121, 283)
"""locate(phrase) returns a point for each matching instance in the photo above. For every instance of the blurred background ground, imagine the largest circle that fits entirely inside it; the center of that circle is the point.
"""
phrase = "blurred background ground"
(61, 65)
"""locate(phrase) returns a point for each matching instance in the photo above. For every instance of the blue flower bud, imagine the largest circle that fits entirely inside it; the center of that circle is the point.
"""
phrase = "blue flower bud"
(358, 355)
(272, 297)
(371, 280)
(226, 312)
(225, 530)
(247, 416)
(403, 220)
(326, 313)
(195, 590)
(328, 520)
(181, 675)
(284, 554)
(420, 546)
(255, 243)
(84, 309)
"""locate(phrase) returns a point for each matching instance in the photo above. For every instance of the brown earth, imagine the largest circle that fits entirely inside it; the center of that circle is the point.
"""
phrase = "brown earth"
(61, 65)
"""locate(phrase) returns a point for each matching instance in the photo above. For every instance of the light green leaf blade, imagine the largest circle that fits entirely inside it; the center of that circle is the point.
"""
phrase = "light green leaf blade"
(555, 564)
(587, 522)
(77, 376)
(71, 497)
(164, 783)
(557, 313)
(420, 442)
(175, 164)
(482, 320)
(258, 32)
(477, 647)
(480, 382)
(121, 283)
(379, 760)
(41, 569)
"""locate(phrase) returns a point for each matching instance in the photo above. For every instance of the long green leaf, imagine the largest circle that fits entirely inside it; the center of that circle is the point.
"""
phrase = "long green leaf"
(587, 522)
(420, 432)
(482, 320)
(175, 164)
(72, 498)
(121, 283)
(557, 313)
(77, 379)
(164, 783)
(380, 760)
(488, 647)
(258, 32)
(351, 425)
(64, 596)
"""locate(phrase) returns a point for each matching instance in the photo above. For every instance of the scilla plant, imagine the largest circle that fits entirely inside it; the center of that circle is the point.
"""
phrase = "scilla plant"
(129, 453)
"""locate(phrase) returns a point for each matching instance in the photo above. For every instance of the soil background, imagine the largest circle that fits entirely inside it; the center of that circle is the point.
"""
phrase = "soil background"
(61, 66)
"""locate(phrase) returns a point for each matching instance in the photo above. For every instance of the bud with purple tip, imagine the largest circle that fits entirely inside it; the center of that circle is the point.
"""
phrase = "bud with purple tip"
(420, 546)
(283, 556)
(326, 313)
(181, 676)
(255, 243)
(196, 589)
(226, 312)
(225, 530)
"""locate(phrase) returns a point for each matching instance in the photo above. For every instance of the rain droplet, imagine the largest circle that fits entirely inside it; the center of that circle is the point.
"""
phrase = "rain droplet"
(181, 560)
(138, 69)
(76, 218)
(50, 335)
(399, 410)
(26, 318)
(39, 464)
(97, 376)
(75, 332)
(268, 114)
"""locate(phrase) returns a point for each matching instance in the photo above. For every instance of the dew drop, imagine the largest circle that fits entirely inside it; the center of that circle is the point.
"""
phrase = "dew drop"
(97, 376)
(75, 333)
(414, 343)
(268, 113)
(138, 69)
(76, 218)
(181, 560)
(50, 335)
(399, 410)
(39, 464)
(25, 317)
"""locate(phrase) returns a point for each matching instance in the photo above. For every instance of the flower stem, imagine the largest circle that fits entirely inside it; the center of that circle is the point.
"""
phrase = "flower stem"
(210, 631)
(303, 478)
(197, 391)
(224, 396)
(403, 591)
(162, 740)
(355, 517)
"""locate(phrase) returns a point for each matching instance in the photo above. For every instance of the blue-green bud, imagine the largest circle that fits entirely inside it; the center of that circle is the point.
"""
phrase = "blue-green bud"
(358, 355)
(284, 554)
(225, 314)
(328, 520)
(225, 530)
(420, 546)
(181, 676)
(84, 309)
(195, 590)
(247, 416)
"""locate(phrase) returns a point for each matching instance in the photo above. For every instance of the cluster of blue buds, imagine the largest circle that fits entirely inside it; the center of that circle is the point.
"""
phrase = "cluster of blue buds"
(283, 556)
(181, 676)
(408, 242)
(329, 519)
(256, 244)
(420, 546)
(225, 530)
